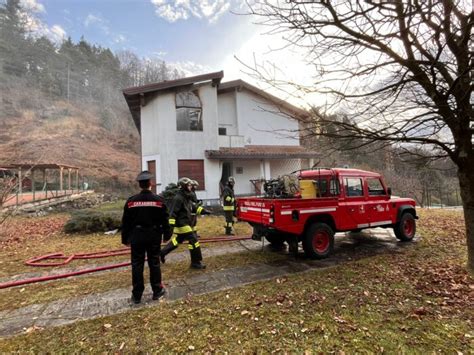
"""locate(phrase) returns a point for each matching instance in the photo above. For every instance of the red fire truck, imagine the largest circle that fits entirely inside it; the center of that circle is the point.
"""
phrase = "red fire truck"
(310, 206)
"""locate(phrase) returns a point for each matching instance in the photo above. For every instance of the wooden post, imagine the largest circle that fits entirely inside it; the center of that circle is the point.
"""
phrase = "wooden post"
(45, 188)
(69, 179)
(61, 179)
(33, 183)
(20, 182)
(77, 180)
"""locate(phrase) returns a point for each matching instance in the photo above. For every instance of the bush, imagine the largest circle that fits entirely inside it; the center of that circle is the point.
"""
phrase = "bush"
(91, 221)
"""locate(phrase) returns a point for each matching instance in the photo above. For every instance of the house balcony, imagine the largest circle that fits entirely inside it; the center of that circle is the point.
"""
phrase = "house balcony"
(231, 141)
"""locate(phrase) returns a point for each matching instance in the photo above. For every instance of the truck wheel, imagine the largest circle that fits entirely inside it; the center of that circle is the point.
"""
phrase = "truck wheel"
(405, 229)
(318, 242)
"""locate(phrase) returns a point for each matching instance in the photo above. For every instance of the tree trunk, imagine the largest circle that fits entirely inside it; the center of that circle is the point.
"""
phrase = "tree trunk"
(466, 182)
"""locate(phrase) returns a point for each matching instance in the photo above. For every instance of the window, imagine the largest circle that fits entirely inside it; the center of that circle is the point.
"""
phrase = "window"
(222, 131)
(334, 187)
(193, 169)
(239, 170)
(353, 187)
(375, 187)
(188, 111)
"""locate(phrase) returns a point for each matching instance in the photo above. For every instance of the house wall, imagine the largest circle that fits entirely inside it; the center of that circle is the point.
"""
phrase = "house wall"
(284, 167)
(227, 113)
(251, 170)
(240, 112)
(261, 127)
(161, 139)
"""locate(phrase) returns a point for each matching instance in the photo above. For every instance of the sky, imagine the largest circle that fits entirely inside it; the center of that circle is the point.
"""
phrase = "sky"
(197, 36)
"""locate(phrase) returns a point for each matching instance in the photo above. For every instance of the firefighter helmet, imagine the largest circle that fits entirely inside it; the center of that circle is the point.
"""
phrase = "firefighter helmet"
(183, 182)
(231, 180)
(194, 183)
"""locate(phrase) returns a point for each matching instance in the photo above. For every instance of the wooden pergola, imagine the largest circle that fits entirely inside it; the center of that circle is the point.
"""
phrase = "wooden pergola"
(30, 170)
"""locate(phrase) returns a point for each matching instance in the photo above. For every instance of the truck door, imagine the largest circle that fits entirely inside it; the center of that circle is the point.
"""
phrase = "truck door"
(354, 205)
(377, 202)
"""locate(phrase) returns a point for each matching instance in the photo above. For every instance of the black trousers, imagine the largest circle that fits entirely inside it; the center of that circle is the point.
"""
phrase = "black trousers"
(194, 247)
(149, 244)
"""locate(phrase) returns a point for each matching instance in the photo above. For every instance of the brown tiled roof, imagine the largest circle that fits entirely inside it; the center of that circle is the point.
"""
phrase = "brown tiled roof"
(282, 104)
(262, 152)
(137, 95)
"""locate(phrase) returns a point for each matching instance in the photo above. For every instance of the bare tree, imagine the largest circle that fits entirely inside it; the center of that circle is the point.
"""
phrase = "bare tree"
(401, 70)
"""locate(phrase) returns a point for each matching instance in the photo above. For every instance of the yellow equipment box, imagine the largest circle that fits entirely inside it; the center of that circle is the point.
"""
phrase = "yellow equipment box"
(308, 188)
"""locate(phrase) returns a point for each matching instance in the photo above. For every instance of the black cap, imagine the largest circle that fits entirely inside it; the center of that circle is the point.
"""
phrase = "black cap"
(145, 175)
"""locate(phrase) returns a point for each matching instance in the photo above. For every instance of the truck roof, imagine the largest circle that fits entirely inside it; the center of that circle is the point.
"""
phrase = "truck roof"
(337, 171)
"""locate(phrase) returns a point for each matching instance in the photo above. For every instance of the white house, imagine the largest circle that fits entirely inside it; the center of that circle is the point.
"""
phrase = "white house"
(207, 130)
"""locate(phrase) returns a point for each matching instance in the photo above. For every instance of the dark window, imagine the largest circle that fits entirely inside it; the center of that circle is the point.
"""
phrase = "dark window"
(222, 131)
(188, 111)
(239, 170)
(193, 169)
(375, 187)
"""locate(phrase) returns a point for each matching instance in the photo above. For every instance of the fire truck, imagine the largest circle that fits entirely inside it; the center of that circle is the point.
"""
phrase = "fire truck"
(310, 206)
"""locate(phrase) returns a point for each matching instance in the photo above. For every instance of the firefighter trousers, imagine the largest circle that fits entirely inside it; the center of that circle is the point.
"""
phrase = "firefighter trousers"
(229, 222)
(194, 246)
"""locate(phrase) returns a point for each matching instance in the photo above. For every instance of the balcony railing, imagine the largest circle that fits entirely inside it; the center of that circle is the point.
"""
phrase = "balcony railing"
(231, 141)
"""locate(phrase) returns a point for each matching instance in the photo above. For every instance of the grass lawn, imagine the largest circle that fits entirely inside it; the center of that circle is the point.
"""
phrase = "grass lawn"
(421, 300)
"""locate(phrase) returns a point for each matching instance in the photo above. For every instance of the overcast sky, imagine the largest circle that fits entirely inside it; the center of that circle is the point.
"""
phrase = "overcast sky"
(198, 36)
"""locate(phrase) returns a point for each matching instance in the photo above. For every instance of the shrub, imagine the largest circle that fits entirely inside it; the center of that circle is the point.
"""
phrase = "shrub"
(91, 221)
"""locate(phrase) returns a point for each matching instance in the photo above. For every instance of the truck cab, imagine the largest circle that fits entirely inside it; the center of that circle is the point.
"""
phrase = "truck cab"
(326, 201)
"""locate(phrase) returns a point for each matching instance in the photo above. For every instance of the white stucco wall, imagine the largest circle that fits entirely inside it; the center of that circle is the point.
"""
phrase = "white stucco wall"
(240, 112)
(161, 138)
(284, 167)
(227, 113)
(260, 127)
(251, 170)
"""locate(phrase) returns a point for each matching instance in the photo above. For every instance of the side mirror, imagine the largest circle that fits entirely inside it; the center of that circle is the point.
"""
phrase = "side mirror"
(389, 191)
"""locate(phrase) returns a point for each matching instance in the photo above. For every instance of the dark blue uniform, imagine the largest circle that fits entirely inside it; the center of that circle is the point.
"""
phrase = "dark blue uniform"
(144, 222)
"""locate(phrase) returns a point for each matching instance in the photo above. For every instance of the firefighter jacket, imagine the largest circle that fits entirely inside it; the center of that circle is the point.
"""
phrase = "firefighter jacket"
(181, 212)
(145, 211)
(229, 198)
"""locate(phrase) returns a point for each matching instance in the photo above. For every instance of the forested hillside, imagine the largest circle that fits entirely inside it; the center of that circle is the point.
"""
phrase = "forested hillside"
(63, 103)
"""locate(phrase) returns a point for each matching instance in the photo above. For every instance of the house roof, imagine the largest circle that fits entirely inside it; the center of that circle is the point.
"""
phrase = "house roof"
(137, 95)
(279, 103)
(251, 152)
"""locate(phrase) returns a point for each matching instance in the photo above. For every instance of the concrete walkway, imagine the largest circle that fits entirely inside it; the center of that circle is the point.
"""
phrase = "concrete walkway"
(66, 311)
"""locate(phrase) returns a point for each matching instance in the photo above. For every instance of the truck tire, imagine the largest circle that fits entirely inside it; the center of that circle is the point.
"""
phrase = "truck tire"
(318, 242)
(405, 229)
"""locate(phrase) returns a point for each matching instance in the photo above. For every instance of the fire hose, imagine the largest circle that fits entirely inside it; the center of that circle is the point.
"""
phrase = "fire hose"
(39, 261)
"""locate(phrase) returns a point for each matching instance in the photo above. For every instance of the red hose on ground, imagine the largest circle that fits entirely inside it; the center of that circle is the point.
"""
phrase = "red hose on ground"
(36, 261)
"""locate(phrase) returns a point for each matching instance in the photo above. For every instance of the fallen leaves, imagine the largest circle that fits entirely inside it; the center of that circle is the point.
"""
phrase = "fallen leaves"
(16, 230)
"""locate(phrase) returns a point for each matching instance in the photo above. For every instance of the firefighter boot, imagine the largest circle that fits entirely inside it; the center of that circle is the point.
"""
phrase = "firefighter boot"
(228, 231)
(167, 249)
(196, 258)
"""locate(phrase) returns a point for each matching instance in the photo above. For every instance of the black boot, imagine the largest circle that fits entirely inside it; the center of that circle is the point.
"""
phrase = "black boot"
(196, 259)
(228, 231)
(136, 300)
(167, 249)
(199, 266)
(157, 295)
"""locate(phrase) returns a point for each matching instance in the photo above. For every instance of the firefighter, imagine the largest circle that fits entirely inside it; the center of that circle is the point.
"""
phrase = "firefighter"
(181, 211)
(194, 185)
(144, 223)
(229, 205)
